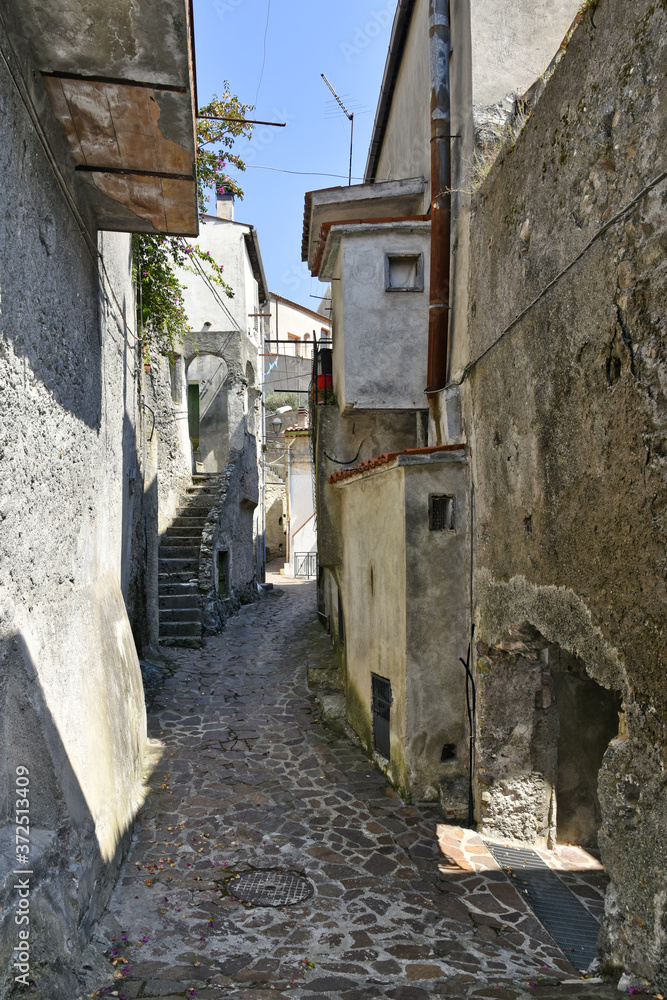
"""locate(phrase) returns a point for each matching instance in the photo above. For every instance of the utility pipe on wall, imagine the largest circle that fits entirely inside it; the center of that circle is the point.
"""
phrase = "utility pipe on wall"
(438, 310)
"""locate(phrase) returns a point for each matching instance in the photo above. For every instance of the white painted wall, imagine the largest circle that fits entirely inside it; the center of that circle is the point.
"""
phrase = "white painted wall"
(288, 319)
(301, 528)
(384, 335)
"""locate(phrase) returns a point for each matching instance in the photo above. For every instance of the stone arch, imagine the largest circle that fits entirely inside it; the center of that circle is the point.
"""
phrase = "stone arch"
(207, 376)
(543, 726)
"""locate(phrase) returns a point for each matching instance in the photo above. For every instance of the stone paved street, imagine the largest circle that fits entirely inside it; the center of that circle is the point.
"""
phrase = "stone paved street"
(248, 777)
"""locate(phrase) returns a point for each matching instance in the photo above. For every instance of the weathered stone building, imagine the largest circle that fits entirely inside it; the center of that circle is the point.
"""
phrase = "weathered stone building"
(208, 407)
(76, 504)
(549, 375)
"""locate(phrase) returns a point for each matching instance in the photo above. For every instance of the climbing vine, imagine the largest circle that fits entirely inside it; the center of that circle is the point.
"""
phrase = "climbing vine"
(161, 315)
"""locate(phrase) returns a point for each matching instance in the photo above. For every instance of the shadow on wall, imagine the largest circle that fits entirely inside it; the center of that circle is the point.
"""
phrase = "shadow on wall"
(69, 881)
(48, 281)
(138, 578)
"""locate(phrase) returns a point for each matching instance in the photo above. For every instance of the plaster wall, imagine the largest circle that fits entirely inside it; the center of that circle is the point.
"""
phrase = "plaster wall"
(348, 440)
(384, 333)
(210, 372)
(512, 44)
(70, 439)
(287, 318)
(230, 533)
(406, 150)
(566, 412)
(223, 239)
(436, 636)
(302, 532)
(166, 390)
(372, 583)
(274, 498)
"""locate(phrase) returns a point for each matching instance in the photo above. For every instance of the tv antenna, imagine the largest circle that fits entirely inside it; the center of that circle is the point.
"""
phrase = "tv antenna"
(350, 118)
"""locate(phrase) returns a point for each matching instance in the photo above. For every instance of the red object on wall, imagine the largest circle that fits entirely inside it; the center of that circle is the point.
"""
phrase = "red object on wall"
(325, 383)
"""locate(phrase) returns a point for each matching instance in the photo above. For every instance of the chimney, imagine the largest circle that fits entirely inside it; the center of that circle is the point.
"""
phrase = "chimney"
(224, 207)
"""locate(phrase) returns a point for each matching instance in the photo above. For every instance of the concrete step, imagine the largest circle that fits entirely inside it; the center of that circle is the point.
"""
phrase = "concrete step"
(181, 629)
(189, 552)
(179, 601)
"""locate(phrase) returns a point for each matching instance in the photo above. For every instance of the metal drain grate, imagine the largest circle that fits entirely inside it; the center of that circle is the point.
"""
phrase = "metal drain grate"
(269, 887)
(568, 921)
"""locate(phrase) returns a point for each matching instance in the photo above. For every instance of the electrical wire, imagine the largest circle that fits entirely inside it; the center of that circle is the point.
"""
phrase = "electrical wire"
(266, 28)
(303, 173)
(596, 236)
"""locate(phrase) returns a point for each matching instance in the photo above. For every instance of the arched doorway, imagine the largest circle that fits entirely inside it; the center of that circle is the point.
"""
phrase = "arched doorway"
(543, 726)
(208, 422)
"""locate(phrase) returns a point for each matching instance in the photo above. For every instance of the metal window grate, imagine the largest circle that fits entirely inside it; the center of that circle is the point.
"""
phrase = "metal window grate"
(381, 707)
(441, 513)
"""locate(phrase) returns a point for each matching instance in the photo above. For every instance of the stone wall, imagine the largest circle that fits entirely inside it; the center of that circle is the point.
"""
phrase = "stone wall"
(228, 542)
(564, 407)
(274, 499)
(71, 446)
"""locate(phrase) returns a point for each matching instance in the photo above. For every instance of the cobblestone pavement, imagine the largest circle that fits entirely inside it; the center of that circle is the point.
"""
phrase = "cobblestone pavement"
(249, 778)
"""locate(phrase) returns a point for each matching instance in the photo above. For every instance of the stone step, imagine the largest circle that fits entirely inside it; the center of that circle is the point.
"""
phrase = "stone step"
(201, 500)
(192, 540)
(167, 579)
(185, 519)
(179, 601)
(182, 641)
(189, 552)
(169, 565)
(184, 589)
(180, 616)
(174, 532)
(181, 629)
(201, 488)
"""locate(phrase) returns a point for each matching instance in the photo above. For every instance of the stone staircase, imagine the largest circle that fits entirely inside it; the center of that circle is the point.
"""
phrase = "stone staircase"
(178, 566)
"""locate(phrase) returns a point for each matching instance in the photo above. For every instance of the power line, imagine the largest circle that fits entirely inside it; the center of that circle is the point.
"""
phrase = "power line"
(304, 173)
(266, 28)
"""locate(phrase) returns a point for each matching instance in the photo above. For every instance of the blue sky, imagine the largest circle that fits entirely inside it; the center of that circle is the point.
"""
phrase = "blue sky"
(347, 41)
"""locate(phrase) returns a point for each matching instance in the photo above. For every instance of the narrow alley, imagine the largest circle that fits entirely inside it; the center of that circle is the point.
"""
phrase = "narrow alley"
(247, 777)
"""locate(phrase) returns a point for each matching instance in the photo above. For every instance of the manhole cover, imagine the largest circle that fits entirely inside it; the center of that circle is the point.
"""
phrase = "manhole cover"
(271, 888)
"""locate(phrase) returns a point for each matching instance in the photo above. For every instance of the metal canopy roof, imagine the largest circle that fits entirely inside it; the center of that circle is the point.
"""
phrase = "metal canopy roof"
(120, 80)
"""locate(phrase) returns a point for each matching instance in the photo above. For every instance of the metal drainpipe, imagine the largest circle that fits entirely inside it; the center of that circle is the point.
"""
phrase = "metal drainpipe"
(438, 312)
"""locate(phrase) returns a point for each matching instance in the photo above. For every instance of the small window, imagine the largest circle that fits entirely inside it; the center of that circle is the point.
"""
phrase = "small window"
(404, 272)
(381, 703)
(441, 513)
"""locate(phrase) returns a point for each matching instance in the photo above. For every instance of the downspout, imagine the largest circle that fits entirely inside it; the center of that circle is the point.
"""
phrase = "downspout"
(288, 539)
(438, 310)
